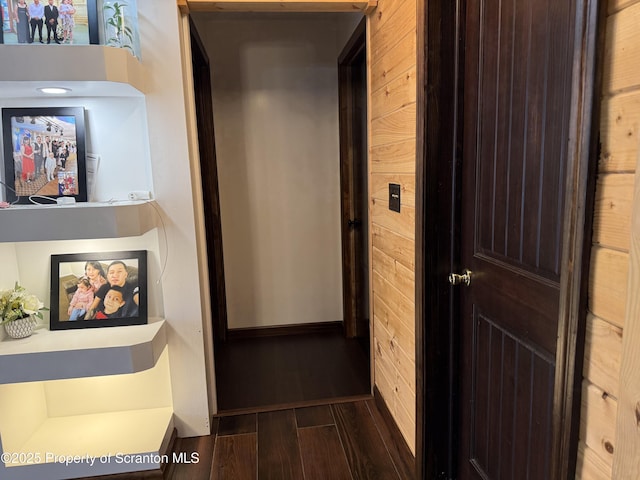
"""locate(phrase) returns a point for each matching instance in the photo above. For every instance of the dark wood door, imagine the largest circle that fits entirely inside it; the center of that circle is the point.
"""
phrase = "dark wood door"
(506, 176)
(517, 109)
(352, 78)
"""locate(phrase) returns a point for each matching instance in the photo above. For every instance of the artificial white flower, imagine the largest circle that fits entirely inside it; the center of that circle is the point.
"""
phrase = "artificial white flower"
(18, 303)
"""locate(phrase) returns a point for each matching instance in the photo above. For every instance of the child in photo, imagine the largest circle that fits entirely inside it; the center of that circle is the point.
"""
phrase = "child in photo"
(95, 273)
(112, 303)
(81, 301)
(50, 166)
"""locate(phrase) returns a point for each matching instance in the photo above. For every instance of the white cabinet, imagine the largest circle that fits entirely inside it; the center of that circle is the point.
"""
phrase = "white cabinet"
(101, 394)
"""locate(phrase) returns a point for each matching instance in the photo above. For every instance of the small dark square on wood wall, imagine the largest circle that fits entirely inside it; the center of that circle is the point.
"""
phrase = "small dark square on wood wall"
(394, 197)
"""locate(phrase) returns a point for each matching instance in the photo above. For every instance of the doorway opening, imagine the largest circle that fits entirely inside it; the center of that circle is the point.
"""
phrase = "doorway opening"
(274, 86)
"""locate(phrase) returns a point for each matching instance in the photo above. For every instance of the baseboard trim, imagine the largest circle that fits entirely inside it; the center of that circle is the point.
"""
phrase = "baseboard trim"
(406, 460)
(288, 406)
(281, 330)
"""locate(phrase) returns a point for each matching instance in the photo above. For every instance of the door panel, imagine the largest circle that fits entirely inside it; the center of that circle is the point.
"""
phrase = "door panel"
(516, 118)
(523, 79)
(517, 300)
(511, 423)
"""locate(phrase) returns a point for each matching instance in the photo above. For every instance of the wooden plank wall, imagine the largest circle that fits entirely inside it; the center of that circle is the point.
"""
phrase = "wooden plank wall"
(392, 152)
(607, 321)
(626, 462)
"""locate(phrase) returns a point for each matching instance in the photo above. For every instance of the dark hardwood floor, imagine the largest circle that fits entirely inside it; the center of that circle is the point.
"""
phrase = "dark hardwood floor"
(293, 407)
(287, 370)
(347, 441)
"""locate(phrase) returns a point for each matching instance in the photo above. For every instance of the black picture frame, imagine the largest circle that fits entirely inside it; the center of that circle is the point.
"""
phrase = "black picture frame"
(3, 15)
(83, 34)
(68, 272)
(65, 128)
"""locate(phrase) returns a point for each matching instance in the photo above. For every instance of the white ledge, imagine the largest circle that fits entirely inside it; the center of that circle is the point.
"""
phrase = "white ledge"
(24, 223)
(90, 352)
(89, 70)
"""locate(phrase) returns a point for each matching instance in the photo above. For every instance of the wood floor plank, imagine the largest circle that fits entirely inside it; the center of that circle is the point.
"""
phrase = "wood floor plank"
(204, 447)
(314, 416)
(237, 424)
(322, 454)
(355, 447)
(234, 458)
(366, 452)
(278, 449)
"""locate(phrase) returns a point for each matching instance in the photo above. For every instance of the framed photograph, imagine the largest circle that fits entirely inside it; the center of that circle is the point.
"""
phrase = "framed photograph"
(91, 290)
(44, 153)
(71, 22)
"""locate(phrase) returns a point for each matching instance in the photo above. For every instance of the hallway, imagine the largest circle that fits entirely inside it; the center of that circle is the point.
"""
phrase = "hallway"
(287, 370)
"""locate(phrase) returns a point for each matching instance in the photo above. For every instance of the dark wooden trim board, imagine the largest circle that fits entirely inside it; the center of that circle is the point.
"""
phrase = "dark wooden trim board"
(210, 188)
(352, 162)
(438, 149)
(405, 460)
(286, 406)
(420, 237)
(588, 64)
(278, 330)
(354, 45)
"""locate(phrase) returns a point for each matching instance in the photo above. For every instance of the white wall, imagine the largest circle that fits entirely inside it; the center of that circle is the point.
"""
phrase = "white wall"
(170, 165)
(275, 95)
(22, 410)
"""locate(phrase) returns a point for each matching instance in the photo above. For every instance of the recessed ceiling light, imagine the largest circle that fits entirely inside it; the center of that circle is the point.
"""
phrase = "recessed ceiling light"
(54, 90)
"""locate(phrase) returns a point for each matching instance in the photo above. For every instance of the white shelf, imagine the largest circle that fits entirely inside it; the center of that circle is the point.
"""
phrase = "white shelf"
(91, 352)
(89, 70)
(139, 436)
(86, 392)
(24, 223)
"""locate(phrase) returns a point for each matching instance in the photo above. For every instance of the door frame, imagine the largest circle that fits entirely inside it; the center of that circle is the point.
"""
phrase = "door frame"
(438, 171)
(203, 97)
(351, 288)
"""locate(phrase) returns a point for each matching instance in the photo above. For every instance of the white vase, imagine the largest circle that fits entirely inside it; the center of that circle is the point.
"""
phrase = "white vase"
(20, 328)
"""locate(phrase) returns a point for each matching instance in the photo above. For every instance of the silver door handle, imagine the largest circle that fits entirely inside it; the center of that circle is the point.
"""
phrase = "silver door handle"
(456, 279)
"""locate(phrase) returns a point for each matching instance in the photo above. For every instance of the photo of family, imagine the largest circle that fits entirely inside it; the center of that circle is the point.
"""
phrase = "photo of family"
(70, 22)
(44, 154)
(98, 289)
